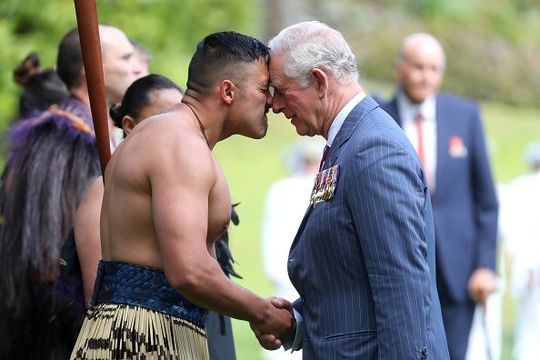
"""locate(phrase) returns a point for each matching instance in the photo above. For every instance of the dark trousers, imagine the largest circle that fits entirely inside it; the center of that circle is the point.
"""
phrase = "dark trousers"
(220, 337)
(457, 319)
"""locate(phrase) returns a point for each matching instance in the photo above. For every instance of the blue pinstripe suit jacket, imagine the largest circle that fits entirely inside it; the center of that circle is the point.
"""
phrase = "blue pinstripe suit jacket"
(363, 262)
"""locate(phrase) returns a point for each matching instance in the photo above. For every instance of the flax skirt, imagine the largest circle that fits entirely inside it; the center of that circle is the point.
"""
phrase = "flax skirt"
(112, 331)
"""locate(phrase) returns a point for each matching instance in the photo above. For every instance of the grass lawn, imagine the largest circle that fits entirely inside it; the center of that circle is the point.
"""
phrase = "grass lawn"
(251, 166)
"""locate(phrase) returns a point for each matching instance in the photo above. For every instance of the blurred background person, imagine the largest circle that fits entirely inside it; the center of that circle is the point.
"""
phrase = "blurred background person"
(41, 88)
(447, 133)
(521, 203)
(285, 206)
(147, 96)
(142, 57)
(52, 159)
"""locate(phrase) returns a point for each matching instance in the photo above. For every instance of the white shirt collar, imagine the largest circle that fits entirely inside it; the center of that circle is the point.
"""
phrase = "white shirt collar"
(408, 109)
(342, 115)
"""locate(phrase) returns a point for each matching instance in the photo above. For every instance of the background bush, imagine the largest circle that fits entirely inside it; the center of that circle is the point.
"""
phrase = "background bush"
(492, 47)
(168, 28)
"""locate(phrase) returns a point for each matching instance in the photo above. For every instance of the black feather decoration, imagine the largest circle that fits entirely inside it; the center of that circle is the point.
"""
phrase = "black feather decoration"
(223, 252)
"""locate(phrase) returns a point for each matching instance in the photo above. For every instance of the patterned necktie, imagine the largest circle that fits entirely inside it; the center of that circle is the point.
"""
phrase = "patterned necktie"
(324, 156)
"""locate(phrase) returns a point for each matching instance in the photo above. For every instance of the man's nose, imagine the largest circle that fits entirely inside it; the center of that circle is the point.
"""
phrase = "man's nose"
(277, 104)
(137, 68)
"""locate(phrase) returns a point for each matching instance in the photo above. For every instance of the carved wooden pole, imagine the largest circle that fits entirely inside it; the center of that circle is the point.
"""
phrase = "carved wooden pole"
(87, 24)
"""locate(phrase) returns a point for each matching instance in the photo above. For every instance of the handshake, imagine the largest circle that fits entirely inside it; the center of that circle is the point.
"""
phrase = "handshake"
(277, 324)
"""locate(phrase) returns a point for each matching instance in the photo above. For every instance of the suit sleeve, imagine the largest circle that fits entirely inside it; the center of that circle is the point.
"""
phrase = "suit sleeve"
(295, 343)
(485, 200)
(387, 197)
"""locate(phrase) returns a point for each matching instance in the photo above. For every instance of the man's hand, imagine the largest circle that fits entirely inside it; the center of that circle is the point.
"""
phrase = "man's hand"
(482, 282)
(277, 326)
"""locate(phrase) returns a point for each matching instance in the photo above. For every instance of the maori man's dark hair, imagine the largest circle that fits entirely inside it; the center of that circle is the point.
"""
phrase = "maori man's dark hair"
(220, 55)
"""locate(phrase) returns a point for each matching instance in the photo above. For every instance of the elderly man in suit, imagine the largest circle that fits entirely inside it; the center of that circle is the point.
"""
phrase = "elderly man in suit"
(446, 131)
(363, 260)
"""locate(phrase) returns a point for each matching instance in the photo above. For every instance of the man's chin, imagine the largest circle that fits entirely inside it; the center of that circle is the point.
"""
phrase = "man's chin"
(261, 133)
(302, 131)
(420, 96)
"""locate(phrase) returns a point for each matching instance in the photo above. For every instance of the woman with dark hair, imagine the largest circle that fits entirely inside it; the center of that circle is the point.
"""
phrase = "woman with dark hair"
(41, 88)
(147, 96)
(52, 157)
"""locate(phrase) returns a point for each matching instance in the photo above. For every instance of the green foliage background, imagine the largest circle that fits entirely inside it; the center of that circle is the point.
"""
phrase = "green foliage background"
(492, 47)
(169, 29)
(493, 51)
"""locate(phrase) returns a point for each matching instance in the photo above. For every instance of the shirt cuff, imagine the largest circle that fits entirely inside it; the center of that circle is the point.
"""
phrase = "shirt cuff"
(296, 343)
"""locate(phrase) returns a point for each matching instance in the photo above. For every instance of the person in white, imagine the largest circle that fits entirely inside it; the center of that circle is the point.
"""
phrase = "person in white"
(522, 231)
(286, 203)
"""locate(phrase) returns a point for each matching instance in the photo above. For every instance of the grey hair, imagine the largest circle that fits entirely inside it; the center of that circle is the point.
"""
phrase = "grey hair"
(312, 44)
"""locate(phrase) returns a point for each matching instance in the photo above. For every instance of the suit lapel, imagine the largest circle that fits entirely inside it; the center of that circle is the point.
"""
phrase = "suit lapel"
(350, 124)
(442, 146)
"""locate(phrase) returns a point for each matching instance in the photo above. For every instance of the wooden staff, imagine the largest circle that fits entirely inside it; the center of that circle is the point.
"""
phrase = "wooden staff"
(87, 24)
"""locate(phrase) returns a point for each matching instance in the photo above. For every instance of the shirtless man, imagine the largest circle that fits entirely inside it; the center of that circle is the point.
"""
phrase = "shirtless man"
(166, 201)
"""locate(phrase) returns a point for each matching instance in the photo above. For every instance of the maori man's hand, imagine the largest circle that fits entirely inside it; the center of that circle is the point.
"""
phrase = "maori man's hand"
(277, 325)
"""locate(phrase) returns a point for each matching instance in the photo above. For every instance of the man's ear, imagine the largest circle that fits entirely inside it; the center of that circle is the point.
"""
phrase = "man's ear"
(227, 91)
(128, 123)
(321, 80)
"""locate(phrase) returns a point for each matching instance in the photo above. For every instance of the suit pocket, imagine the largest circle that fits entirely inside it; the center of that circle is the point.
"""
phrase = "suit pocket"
(351, 345)
(352, 334)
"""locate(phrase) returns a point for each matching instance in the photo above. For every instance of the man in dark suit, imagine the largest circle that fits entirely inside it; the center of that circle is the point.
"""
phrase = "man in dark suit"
(447, 133)
(363, 260)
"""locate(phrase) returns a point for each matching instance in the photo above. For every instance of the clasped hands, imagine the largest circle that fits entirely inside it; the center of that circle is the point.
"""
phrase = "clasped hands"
(277, 324)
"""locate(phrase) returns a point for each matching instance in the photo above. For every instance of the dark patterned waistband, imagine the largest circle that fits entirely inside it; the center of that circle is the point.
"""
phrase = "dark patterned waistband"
(130, 284)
